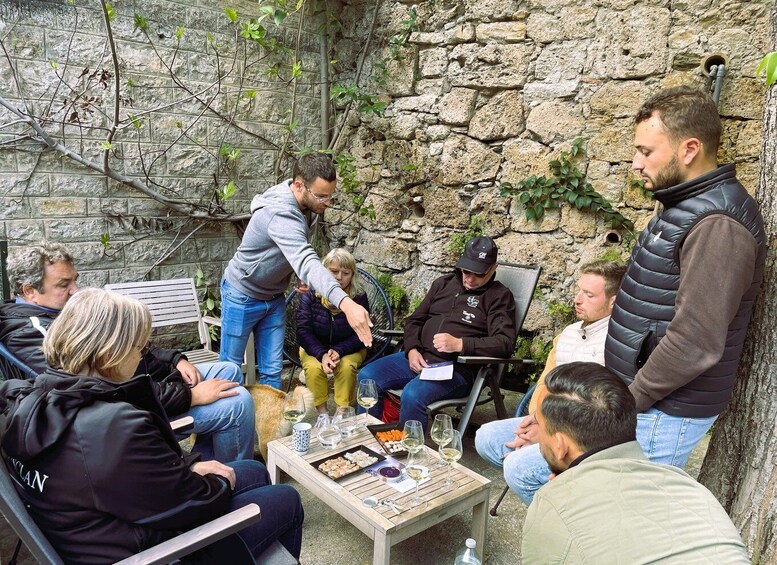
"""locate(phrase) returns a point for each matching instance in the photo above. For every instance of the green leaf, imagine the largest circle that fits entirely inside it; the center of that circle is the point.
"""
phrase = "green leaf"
(141, 22)
(111, 12)
(529, 213)
(249, 94)
(53, 64)
(105, 145)
(199, 274)
(231, 13)
(179, 33)
(105, 240)
(135, 121)
(210, 304)
(296, 69)
(768, 65)
(279, 16)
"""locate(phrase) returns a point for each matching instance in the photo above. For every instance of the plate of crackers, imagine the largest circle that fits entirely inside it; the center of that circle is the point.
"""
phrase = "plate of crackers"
(389, 437)
(348, 462)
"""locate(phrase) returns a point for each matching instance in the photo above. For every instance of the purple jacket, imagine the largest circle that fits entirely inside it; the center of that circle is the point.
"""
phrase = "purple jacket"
(318, 330)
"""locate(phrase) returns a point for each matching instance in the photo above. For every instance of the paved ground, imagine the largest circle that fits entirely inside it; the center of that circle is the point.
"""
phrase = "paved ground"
(329, 539)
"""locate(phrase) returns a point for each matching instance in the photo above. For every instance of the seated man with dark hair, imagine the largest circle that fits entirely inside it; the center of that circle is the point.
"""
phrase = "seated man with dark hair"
(43, 277)
(607, 502)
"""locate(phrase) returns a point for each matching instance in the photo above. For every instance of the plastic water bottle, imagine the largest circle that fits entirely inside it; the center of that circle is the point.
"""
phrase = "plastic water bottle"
(468, 555)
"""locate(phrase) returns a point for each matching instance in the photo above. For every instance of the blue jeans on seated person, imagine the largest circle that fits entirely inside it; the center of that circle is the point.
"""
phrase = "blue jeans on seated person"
(225, 428)
(394, 372)
(664, 439)
(240, 315)
(281, 508)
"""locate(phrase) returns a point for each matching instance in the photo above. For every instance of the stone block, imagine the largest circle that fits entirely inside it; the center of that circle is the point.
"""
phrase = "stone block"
(82, 229)
(550, 220)
(615, 142)
(460, 33)
(15, 207)
(425, 103)
(618, 99)
(465, 160)
(749, 140)
(24, 42)
(79, 185)
(427, 38)
(577, 22)
(560, 61)
(544, 28)
(491, 10)
(24, 184)
(377, 249)
(433, 62)
(491, 66)
(742, 98)
(748, 174)
(522, 158)
(457, 106)
(92, 255)
(578, 223)
(433, 248)
(148, 252)
(500, 118)
(404, 126)
(93, 279)
(24, 231)
(506, 32)
(635, 198)
(537, 92)
(58, 207)
(444, 208)
(187, 161)
(553, 121)
(638, 49)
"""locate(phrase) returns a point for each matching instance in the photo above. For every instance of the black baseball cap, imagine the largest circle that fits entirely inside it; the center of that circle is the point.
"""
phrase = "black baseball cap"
(479, 254)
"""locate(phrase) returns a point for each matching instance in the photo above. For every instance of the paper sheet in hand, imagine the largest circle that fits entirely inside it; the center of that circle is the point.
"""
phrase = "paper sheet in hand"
(438, 372)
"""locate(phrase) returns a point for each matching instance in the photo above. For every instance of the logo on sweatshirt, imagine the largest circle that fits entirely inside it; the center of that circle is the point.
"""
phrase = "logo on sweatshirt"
(30, 477)
(473, 301)
(467, 316)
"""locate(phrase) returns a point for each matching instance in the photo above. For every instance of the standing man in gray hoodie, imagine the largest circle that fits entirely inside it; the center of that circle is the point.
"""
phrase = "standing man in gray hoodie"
(274, 246)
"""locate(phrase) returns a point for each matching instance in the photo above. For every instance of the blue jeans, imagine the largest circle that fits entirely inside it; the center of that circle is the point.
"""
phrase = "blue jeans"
(664, 439)
(225, 428)
(240, 315)
(282, 513)
(393, 371)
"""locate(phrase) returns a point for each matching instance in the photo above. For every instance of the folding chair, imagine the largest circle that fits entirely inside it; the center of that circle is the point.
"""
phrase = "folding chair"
(521, 280)
(522, 410)
(11, 367)
(380, 314)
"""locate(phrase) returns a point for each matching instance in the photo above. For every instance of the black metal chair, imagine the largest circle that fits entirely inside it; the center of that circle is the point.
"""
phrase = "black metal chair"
(521, 280)
(11, 367)
(522, 410)
(380, 314)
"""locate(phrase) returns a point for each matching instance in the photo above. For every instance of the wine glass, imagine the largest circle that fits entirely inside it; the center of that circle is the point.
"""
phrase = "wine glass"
(451, 452)
(328, 433)
(367, 395)
(442, 423)
(293, 408)
(413, 436)
(345, 419)
(417, 472)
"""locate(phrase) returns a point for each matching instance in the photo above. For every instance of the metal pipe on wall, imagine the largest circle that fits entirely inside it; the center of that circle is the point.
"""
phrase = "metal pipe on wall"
(324, 81)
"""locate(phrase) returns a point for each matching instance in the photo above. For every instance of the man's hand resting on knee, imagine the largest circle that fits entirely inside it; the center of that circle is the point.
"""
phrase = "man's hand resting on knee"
(211, 390)
(525, 434)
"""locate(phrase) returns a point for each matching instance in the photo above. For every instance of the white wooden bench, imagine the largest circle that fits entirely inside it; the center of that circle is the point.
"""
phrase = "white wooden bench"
(175, 302)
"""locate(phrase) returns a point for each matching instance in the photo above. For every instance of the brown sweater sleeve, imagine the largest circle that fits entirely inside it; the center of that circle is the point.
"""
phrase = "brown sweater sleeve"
(717, 261)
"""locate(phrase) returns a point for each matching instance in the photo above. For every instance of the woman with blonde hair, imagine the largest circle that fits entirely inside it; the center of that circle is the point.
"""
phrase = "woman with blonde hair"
(328, 345)
(93, 456)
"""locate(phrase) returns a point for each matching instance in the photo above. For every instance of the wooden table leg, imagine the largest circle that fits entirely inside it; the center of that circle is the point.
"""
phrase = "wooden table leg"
(272, 468)
(479, 523)
(382, 551)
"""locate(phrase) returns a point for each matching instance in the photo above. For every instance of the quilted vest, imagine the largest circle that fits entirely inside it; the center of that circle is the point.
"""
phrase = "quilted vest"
(645, 303)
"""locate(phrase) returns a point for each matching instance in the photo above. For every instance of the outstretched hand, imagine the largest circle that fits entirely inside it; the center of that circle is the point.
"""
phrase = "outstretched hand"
(358, 318)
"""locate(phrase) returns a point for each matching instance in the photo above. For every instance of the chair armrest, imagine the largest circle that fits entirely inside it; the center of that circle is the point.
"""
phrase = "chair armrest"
(182, 424)
(473, 360)
(391, 333)
(197, 538)
(211, 321)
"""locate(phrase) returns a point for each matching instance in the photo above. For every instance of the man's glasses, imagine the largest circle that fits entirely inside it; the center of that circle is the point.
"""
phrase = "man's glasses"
(471, 274)
(322, 199)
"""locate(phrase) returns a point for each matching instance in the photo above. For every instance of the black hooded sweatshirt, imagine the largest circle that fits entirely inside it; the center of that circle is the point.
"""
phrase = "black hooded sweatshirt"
(99, 467)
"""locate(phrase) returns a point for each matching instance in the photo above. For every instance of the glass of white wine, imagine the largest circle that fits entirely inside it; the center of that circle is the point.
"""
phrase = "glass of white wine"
(367, 395)
(294, 408)
(450, 452)
(413, 436)
(442, 423)
(417, 472)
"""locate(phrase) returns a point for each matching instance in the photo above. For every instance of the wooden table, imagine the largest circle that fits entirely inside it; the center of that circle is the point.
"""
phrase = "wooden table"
(382, 524)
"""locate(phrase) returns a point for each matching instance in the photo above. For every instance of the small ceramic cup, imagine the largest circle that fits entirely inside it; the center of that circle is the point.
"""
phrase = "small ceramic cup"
(300, 437)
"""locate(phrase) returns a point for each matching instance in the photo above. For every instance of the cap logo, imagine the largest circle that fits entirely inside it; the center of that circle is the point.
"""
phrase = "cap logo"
(482, 255)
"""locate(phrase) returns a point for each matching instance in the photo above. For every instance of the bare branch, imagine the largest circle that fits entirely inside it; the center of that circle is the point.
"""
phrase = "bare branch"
(116, 92)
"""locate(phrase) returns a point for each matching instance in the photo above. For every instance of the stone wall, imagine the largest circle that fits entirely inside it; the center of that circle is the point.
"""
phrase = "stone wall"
(47, 195)
(491, 91)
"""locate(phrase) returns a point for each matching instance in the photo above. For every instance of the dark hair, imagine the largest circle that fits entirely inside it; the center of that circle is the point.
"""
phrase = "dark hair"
(314, 165)
(27, 265)
(590, 404)
(685, 112)
(610, 271)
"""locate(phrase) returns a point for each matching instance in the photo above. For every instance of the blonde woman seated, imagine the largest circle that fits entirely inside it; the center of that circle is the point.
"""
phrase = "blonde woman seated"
(328, 345)
(94, 458)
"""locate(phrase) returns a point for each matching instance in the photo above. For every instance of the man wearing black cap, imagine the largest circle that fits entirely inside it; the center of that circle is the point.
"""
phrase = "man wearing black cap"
(466, 312)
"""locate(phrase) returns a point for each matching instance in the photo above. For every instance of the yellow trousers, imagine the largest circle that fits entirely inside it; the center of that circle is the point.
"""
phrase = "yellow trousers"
(345, 377)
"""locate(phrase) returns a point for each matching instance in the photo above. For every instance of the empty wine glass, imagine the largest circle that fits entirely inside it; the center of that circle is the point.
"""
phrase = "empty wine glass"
(328, 433)
(442, 423)
(345, 419)
(413, 436)
(294, 408)
(451, 452)
(417, 472)
(367, 395)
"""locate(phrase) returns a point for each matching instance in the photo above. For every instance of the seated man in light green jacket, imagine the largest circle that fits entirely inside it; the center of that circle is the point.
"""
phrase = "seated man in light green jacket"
(607, 502)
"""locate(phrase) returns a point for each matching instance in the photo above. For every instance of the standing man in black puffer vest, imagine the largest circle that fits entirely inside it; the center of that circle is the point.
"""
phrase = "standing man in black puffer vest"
(680, 316)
